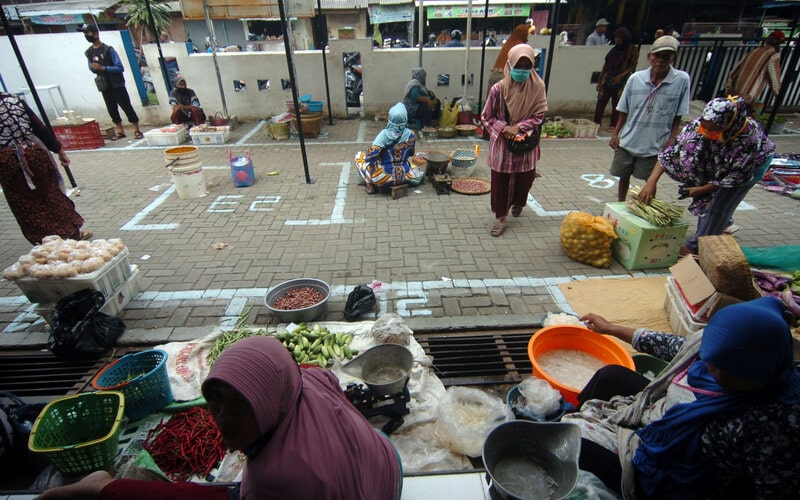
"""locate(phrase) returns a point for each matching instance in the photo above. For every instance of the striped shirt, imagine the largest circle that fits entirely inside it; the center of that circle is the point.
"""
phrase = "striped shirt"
(750, 76)
(651, 110)
(500, 158)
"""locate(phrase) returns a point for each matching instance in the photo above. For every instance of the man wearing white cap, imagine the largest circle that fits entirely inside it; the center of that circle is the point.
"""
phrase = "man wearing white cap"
(598, 36)
(650, 110)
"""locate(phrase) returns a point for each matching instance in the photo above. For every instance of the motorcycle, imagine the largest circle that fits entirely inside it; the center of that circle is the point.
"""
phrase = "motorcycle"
(353, 85)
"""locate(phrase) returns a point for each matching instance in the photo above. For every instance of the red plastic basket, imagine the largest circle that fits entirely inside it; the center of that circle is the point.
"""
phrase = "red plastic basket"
(86, 136)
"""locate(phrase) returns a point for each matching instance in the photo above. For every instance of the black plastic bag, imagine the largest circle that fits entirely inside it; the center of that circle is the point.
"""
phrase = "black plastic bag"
(80, 330)
(16, 429)
(361, 300)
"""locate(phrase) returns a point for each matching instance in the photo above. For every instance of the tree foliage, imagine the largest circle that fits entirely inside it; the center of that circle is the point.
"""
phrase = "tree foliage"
(138, 18)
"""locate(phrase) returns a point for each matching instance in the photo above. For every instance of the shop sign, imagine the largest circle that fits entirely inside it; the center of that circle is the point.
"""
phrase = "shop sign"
(58, 19)
(462, 11)
(380, 14)
(11, 13)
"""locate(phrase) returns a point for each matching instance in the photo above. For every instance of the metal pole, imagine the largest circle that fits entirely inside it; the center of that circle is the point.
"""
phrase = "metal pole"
(213, 40)
(293, 80)
(483, 54)
(28, 79)
(421, 35)
(161, 62)
(325, 66)
(469, 41)
(553, 35)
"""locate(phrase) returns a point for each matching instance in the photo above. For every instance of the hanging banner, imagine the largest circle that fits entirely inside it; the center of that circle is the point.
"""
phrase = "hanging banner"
(58, 19)
(380, 14)
(462, 11)
(240, 9)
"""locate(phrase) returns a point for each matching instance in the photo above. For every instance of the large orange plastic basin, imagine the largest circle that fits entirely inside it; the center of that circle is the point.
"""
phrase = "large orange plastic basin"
(575, 338)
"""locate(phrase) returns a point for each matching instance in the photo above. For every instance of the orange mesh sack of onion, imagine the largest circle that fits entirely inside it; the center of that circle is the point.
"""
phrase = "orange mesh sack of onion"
(587, 238)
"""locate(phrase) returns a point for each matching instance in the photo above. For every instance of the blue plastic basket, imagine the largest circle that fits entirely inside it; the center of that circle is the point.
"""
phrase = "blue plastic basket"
(142, 378)
(315, 106)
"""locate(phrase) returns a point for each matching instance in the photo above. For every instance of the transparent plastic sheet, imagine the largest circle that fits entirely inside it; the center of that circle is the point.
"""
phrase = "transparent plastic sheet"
(465, 417)
(538, 396)
(391, 329)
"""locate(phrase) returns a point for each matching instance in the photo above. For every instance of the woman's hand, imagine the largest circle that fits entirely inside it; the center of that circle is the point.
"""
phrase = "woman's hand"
(88, 487)
(599, 324)
(63, 158)
(647, 193)
(510, 131)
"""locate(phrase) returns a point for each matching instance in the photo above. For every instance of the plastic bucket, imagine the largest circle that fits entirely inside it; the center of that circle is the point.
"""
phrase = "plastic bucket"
(574, 338)
(242, 172)
(180, 156)
(315, 106)
(189, 180)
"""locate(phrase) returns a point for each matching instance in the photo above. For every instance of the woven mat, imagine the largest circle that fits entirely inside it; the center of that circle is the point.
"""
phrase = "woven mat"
(633, 302)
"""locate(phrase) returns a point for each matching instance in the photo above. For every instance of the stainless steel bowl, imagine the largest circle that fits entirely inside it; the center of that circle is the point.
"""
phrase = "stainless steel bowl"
(306, 314)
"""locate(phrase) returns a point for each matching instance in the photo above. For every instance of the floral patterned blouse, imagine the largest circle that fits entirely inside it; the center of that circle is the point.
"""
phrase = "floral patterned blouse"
(758, 448)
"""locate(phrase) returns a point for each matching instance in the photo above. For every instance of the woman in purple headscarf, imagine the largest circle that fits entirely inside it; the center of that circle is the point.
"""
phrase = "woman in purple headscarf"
(717, 158)
(302, 437)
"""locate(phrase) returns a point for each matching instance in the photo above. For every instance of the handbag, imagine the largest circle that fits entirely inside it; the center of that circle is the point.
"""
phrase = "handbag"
(522, 142)
(101, 83)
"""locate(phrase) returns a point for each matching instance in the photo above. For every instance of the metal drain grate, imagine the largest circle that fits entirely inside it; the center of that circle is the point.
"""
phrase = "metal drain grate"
(478, 358)
(40, 377)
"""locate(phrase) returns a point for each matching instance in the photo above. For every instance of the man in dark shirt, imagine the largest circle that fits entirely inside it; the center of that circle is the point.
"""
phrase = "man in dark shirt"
(104, 62)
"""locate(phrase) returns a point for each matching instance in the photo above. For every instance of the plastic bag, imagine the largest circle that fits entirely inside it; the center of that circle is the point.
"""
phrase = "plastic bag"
(391, 329)
(449, 116)
(16, 422)
(538, 396)
(360, 301)
(80, 330)
(465, 417)
(587, 238)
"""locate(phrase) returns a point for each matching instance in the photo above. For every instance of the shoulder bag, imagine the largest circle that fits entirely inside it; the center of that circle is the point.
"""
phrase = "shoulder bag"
(522, 142)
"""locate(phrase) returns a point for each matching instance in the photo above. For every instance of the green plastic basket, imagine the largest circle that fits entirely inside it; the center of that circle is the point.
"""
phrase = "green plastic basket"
(79, 434)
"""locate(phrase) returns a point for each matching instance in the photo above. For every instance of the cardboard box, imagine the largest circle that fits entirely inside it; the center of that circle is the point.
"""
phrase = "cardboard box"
(702, 299)
(641, 245)
(679, 316)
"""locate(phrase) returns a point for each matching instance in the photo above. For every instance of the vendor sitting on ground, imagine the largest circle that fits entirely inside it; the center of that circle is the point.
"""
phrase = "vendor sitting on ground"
(301, 435)
(721, 421)
(185, 104)
(388, 161)
(421, 105)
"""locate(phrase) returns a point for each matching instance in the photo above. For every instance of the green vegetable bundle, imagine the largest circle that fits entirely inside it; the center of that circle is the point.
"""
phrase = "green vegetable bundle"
(229, 337)
(656, 212)
(317, 345)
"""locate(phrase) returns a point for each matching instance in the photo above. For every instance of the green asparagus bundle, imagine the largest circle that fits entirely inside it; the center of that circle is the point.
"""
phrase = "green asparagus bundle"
(657, 212)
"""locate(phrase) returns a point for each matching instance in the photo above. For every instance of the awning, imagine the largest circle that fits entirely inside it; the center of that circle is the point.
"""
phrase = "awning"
(66, 8)
(174, 6)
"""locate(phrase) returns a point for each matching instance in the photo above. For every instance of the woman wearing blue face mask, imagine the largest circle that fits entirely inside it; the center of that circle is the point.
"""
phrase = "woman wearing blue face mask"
(717, 158)
(514, 108)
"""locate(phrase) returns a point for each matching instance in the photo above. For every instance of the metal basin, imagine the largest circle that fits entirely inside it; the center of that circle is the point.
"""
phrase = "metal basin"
(437, 162)
(306, 314)
(519, 455)
(384, 368)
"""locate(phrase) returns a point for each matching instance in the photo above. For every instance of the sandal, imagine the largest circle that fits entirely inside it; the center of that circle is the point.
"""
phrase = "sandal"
(118, 136)
(85, 235)
(684, 251)
(498, 229)
(137, 135)
(516, 211)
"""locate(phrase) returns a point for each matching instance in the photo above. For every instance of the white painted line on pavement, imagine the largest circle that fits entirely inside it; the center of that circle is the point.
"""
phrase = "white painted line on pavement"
(362, 130)
(252, 132)
(539, 210)
(337, 214)
(133, 224)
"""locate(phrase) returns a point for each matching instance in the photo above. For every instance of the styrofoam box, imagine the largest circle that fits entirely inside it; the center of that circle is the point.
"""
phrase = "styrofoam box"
(156, 137)
(218, 137)
(119, 300)
(679, 315)
(581, 127)
(107, 279)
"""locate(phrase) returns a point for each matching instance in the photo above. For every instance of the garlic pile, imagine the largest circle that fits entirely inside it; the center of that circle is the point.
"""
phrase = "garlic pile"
(58, 258)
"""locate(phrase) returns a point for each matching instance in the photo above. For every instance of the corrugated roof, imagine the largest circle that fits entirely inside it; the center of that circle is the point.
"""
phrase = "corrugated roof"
(94, 7)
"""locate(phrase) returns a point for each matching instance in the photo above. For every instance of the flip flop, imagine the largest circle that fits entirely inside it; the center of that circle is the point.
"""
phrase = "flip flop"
(118, 136)
(86, 235)
(498, 229)
(137, 135)
(516, 211)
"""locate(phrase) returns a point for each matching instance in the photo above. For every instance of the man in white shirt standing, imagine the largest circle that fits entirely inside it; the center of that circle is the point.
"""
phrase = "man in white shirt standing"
(598, 36)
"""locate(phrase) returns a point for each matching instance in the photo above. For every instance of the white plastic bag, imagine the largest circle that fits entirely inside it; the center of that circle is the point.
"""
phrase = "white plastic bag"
(465, 417)
(538, 396)
(391, 329)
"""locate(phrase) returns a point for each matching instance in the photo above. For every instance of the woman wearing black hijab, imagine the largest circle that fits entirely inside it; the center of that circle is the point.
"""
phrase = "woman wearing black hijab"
(185, 104)
(620, 63)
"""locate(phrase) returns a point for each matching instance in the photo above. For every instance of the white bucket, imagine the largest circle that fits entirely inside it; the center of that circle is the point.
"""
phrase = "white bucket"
(189, 180)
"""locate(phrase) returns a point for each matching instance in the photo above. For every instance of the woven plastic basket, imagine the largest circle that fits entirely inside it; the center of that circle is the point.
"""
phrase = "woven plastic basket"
(463, 162)
(142, 378)
(278, 131)
(79, 434)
